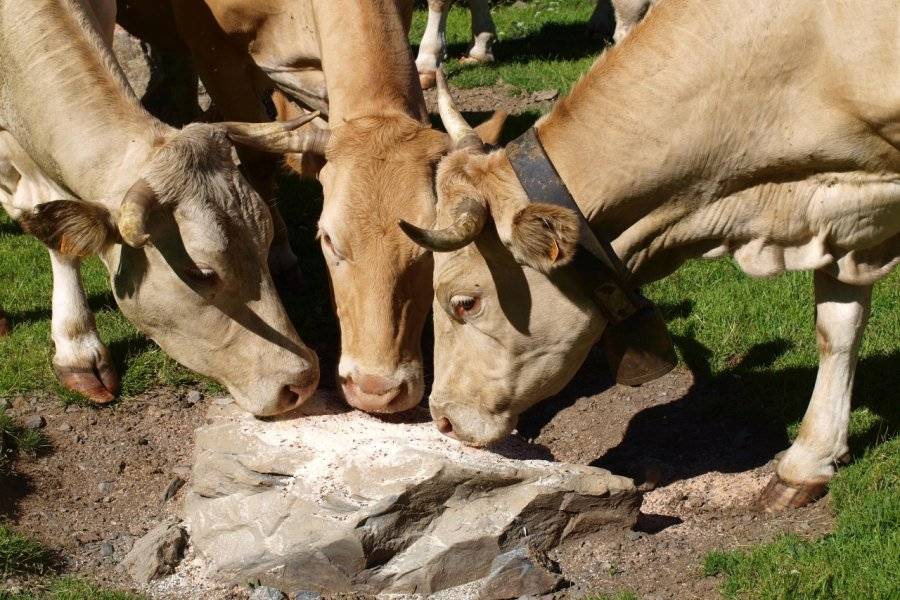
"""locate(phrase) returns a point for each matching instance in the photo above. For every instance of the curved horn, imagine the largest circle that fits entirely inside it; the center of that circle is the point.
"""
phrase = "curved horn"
(461, 133)
(133, 213)
(471, 216)
(280, 137)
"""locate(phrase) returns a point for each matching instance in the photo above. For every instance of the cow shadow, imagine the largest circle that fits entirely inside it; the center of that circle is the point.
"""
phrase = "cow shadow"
(553, 41)
(96, 302)
(731, 422)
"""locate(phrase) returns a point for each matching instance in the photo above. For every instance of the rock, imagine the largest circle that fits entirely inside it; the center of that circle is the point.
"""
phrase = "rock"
(157, 553)
(520, 572)
(72, 408)
(106, 549)
(65, 427)
(5, 404)
(105, 487)
(34, 421)
(545, 95)
(193, 397)
(633, 536)
(262, 592)
(172, 489)
(307, 596)
(337, 501)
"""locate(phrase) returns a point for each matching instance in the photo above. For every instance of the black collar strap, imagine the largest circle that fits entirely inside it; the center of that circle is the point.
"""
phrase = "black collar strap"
(603, 271)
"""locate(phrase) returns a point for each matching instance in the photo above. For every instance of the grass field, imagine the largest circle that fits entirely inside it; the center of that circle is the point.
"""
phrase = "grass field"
(723, 321)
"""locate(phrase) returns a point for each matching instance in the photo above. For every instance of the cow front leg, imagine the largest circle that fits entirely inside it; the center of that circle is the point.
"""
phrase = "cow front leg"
(483, 33)
(433, 46)
(809, 464)
(4, 324)
(82, 363)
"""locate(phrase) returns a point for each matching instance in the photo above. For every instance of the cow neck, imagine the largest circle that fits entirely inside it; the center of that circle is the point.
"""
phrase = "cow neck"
(86, 128)
(369, 70)
(636, 140)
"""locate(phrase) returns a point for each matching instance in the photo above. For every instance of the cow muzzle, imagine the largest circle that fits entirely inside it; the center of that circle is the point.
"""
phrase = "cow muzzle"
(378, 394)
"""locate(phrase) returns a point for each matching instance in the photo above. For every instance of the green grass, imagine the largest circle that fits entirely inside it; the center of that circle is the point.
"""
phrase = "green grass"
(861, 559)
(21, 556)
(68, 588)
(17, 440)
(540, 46)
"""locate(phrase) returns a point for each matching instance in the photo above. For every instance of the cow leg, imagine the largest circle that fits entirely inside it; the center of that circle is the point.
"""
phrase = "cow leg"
(803, 473)
(433, 47)
(4, 324)
(82, 363)
(483, 33)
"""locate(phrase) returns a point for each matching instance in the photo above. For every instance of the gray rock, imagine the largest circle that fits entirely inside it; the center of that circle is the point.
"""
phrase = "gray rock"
(105, 487)
(520, 572)
(106, 549)
(262, 592)
(340, 501)
(5, 404)
(307, 596)
(193, 397)
(157, 553)
(34, 421)
(172, 489)
(545, 95)
(65, 427)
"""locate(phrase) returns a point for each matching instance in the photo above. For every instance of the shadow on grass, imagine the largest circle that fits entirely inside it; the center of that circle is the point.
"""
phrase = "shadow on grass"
(10, 228)
(731, 422)
(554, 41)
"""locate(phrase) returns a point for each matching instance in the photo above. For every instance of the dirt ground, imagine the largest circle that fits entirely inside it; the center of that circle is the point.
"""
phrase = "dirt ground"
(103, 483)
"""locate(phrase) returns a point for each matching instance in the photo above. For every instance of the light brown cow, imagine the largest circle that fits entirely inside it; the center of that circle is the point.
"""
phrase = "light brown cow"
(182, 234)
(381, 155)
(773, 137)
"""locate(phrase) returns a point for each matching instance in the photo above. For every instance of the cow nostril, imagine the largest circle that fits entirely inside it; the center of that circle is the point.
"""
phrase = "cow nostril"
(445, 426)
(288, 399)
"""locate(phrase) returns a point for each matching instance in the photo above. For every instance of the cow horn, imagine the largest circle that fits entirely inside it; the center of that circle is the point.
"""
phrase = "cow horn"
(461, 133)
(133, 214)
(280, 137)
(471, 216)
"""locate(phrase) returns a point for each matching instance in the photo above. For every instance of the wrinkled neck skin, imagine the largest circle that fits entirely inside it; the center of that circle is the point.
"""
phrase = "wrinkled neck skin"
(120, 134)
(710, 131)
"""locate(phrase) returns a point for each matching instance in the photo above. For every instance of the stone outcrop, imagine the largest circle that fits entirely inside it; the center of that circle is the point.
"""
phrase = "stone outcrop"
(339, 501)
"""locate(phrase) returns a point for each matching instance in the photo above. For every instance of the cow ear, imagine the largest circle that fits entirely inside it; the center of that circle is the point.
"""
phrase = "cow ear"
(490, 130)
(544, 236)
(70, 227)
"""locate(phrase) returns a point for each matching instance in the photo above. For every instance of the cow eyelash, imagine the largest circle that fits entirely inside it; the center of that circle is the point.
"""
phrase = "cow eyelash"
(202, 274)
(465, 306)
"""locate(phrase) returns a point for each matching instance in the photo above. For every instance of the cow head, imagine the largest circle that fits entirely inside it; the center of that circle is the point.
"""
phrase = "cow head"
(511, 323)
(377, 171)
(187, 254)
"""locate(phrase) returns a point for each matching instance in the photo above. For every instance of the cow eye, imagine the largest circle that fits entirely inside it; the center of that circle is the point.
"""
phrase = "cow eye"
(465, 307)
(202, 274)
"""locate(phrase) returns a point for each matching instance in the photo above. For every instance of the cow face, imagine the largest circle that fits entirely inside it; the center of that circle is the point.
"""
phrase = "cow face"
(379, 171)
(187, 255)
(511, 323)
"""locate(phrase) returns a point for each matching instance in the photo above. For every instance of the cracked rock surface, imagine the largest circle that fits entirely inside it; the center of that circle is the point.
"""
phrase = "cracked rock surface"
(337, 501)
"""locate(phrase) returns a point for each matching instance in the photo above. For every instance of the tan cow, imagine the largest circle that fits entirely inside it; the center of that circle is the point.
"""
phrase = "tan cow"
(773, 137)
(381, 155)
(182, 234)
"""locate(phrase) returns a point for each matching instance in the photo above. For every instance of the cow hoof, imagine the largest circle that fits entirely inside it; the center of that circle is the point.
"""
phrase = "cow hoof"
(99, 385)
(288, 282)
(427, 80)
(469, 59)
(780, 495)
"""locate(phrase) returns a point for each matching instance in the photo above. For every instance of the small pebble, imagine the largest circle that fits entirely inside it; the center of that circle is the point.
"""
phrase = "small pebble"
(262, 592)
(105, 487)
(106, 549)
(34, 421)
(193, 397)
(65, 427)
(4, 404)
(72, 408)
(307, 596)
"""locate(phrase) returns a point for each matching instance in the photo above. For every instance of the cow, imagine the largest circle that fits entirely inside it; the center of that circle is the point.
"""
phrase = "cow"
(184, 237)
(375, 158)
(625, 14)
(773, 137)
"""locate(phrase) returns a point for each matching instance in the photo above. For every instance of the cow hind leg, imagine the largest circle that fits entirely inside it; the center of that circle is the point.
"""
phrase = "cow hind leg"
(82, 363)
(808, 465)
(484, 34)
(433, 46)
